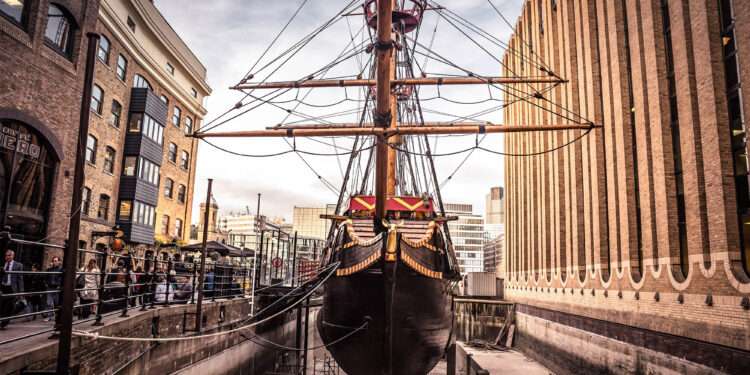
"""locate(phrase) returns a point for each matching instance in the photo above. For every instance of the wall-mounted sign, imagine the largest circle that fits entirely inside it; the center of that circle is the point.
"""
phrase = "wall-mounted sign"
(13, 140)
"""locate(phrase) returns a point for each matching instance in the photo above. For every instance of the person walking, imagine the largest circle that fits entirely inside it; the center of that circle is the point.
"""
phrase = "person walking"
(54, 281)
(90, 292)
(37, 284)
(10, 283)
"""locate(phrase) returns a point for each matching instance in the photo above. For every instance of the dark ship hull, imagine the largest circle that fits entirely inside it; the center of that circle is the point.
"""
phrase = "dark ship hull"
(421, 321)
(398, 282)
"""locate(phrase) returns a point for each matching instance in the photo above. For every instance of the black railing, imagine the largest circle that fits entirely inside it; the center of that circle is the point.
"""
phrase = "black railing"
(108, 284)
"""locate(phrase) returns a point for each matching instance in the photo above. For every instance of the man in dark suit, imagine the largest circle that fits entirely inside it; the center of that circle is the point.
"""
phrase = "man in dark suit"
(9, 283)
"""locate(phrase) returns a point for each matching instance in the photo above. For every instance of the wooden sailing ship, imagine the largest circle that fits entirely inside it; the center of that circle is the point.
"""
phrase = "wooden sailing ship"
(396, 260)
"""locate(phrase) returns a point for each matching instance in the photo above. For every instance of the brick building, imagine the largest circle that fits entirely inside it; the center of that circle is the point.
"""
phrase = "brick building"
(628, 250)
(148, 94)
(42, 60)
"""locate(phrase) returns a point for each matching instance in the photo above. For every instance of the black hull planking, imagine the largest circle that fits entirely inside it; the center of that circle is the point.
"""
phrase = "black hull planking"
(421, 319)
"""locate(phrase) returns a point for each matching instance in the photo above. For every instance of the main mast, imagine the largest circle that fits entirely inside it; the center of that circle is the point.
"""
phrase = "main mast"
(386, 113)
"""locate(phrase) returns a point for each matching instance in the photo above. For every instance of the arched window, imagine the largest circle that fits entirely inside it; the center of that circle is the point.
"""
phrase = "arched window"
(103, 212)
(140, 82)
(13, 10)
(26, 183)
(188, 125)
(178, 228)
(103, 51)
(116, 114)
(109, 159)
(181, 193)
(91, 149)
(184, 160)
(97, 97)
(165, 225)
(176, 116)
(164, 99)
(60, 29)
(168, 187)
(172, 153)
(122, 67)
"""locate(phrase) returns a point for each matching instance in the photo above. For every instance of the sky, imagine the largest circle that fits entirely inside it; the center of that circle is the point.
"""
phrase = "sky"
(229, 36)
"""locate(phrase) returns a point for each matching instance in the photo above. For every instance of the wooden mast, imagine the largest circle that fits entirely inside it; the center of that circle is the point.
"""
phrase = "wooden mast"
(384, 116)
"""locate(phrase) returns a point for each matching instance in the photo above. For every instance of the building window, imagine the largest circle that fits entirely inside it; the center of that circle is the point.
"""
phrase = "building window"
(91, 149)
(188, 125)
(165, 225)
(59, 32)
(122, 67)
(103, 212)
(116, 114)
(181, 193)
(176, 116)
(184, 160)
(164, 99)
(85, 201)
(170, 68)
(97, 96)
(144, 214)
(140, 82)
(103, 51)
(178, 228)
(109, 160)
(14, 9)
(131, 24)
(125, 211)
(147, 126)
(194, 92)
(168, 187)
(148, 171)
(172, 153)
(128, 167)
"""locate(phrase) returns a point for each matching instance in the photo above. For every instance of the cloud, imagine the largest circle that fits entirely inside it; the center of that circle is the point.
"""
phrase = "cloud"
(230, 35)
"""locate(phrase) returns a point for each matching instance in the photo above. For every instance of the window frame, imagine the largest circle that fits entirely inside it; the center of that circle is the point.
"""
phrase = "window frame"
(188, 125)
(178, 228)
(170, 68)
(67, 49)
(176, 116)
(85, 201)
(165, 226)
(109, 159)
(182, 193)
(90, 154)
(121, 71)
(99, 50)
(22, 22)
(103, 198)
(168, 187)
(99, 100)
(184, 160)
(116, 118)
(172, 154)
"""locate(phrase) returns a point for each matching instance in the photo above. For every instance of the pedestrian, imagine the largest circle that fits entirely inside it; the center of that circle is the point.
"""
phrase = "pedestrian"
(54, 281)
(90, 293)
(11, 283)
(164, 290)
(36, 284)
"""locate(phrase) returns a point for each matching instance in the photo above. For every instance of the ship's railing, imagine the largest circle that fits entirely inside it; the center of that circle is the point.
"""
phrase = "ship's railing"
(108, 284)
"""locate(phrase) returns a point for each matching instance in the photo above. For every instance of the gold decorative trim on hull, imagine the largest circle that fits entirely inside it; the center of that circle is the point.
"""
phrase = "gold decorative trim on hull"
(359, 266)
(419, 268)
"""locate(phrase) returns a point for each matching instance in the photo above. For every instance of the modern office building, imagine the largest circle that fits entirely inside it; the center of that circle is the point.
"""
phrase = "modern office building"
(306, 221)
(467, 234)
(634, 242)
(494, 230)
(42, 64)
(148, 94)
